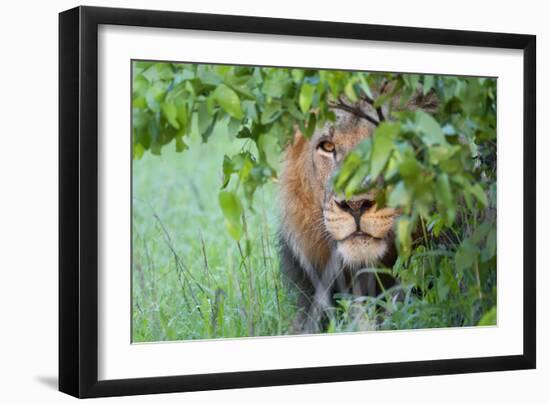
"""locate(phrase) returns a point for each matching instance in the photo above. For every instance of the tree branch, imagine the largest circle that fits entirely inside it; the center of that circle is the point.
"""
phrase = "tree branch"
(378, 109)
(355, 110)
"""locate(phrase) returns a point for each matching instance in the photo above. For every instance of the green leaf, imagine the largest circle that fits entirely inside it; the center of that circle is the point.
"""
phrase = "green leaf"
(436, 225)
(164, 71)
(489, 318)
(430, 129)
(466, 255)
(445, 198)
(229, 101)
(154, 94)
(428, 83)
(276, 84)
(410, 169)
(207, 76)
(411, 80)
(269, 147)
(182, 115)
(233, 127)
(490, 245)
(206, 122)
(232, 212)
(140, 118)
(312, 123)
(140, 84)
(244, 164)
(138, 151)
(479, 193)
(297, 75)
(441, 154)
(382, 147)
(170, 113)
(158, 71)
(355, 183)
(365, 85)
(250, 109)
(404, 240)
(349, 91)
(443, 288)
(306, 97)
(180, 144)
(399, 196)
(271, 112)
(351, 166)
(154, 135)
(481, 231)
(293, 109)
(351, 163)
(228, 168)
(139, 102)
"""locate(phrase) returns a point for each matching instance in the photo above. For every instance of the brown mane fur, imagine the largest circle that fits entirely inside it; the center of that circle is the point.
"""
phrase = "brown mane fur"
(302, 211)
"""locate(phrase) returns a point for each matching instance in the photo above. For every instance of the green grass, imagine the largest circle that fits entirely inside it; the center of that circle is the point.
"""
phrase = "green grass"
(190, 278)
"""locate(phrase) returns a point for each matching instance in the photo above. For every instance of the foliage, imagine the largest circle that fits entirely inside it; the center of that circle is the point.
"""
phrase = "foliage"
(265, 105)
(439, 169)
(441, 172)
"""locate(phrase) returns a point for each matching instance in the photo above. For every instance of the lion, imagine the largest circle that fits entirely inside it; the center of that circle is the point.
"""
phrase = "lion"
(325, 238)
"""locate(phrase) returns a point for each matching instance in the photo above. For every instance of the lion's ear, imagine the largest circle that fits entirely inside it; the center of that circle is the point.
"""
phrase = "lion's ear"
(418, 100)
(427, 102)
(296, 143)
(297, 136)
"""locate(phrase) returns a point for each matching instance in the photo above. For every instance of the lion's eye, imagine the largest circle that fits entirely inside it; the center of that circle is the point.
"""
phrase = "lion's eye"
(327, 146)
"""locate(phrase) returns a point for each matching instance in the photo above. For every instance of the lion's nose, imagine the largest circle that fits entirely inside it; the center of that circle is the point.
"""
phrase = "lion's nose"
(356, 207)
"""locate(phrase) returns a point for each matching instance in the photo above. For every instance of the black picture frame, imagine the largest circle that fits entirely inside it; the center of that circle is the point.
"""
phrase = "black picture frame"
(78, 200)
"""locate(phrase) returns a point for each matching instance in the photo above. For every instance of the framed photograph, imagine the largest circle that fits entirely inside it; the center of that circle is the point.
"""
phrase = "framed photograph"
(251, 201)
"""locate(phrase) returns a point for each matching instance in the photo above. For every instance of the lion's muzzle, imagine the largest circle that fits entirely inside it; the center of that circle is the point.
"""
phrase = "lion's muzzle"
(360, 228)
(355, 208)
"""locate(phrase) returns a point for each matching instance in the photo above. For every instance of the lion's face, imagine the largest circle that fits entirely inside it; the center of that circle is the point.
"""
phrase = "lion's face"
(361, 230)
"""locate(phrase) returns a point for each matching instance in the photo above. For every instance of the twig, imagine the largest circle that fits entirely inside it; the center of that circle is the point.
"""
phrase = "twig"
(378, 109)
(355, 110)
